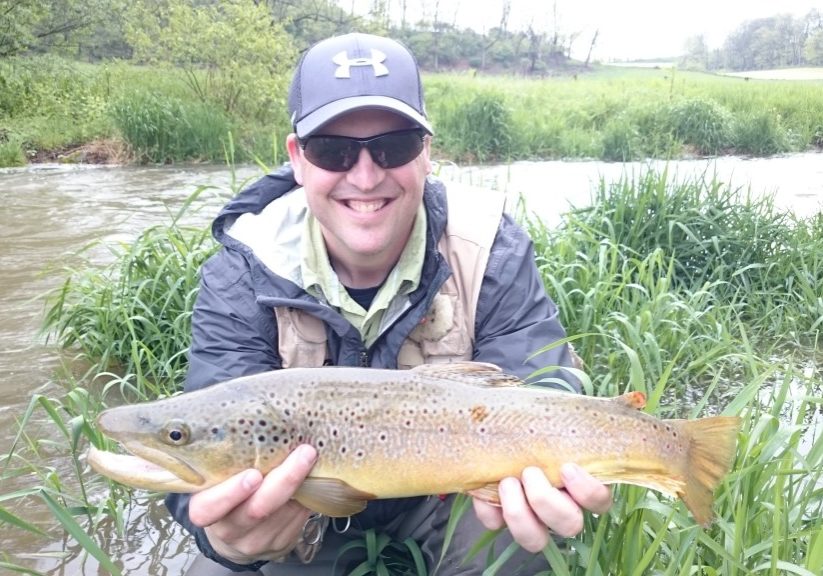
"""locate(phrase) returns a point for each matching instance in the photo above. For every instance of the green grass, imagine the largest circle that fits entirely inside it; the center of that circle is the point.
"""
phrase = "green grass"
(622, 114)
(700, 296)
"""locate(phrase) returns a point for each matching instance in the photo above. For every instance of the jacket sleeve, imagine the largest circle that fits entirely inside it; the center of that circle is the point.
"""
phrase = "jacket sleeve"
(232, 336)
(515, 316)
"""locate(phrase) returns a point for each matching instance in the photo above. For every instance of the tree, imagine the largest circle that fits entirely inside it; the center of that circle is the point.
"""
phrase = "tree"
(697, 53)
(47, 25)
(231, 51)
(813, 50)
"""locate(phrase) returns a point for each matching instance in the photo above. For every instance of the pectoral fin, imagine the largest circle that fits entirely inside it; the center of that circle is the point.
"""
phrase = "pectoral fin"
(331, 497)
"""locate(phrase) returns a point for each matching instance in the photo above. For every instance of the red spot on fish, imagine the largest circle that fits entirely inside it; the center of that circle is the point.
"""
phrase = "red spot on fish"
(479, 413)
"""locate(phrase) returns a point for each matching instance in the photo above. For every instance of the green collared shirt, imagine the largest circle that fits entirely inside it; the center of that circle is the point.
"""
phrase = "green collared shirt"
(321, 281)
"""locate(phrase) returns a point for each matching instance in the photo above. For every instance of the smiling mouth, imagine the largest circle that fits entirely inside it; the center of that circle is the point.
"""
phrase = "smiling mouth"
(366, 206)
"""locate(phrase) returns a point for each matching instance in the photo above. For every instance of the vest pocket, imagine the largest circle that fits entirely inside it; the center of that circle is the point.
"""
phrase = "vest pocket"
(301, 338)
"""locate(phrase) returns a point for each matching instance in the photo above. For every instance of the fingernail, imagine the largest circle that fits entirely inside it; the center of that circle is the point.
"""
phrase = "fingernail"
(570, 472)
(307, 453)
(251, 480)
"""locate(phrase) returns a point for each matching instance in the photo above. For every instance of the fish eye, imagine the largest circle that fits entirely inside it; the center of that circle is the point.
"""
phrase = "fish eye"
(176, 433)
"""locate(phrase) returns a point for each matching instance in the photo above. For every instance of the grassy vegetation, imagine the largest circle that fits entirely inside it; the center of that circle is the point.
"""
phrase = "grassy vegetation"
(701, 297)
(49, 104)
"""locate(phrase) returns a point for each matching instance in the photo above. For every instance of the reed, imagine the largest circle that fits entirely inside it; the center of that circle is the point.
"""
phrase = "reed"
(133, 316)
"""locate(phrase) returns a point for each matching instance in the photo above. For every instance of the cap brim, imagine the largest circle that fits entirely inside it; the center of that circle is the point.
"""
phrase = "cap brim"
(329, 112)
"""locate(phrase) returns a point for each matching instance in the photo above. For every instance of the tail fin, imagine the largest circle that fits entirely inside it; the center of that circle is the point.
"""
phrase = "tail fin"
(712, 449)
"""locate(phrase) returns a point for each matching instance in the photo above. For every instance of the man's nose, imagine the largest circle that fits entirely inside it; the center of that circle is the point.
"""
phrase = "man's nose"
(365, 174)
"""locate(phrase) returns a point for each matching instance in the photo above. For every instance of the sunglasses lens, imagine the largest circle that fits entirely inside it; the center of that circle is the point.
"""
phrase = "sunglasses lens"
(333, 153)
(396, 148)
(340, 153)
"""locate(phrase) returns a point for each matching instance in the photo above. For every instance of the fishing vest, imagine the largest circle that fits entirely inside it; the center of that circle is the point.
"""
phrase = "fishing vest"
(446, 332)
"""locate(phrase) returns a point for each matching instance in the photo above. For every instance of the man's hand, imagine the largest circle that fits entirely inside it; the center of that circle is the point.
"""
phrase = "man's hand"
(532, 508)
(250, 517)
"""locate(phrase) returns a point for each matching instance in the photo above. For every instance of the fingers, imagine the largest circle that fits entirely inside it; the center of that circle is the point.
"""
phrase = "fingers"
(490, 516)
(526, 528)
(555, 508)
(249, 517)
(212, 504)
(281, 483)
(250, 493)
(588, 492)
(533, 509)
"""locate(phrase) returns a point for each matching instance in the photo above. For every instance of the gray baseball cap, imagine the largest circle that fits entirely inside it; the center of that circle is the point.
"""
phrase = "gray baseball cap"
(352, 72)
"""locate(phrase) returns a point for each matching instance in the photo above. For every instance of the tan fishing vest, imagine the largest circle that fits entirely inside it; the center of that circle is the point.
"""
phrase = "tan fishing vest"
(446, 332)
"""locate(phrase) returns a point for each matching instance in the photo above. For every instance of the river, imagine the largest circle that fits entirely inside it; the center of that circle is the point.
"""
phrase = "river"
(49, 212)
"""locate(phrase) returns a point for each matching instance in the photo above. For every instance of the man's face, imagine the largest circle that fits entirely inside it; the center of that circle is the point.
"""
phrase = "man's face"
(367, 212)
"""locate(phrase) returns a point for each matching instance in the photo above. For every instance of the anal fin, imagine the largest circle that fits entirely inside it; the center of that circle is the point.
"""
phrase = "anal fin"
(488, 493)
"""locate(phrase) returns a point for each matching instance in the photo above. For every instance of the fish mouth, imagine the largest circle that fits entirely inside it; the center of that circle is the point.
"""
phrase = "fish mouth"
(147, 469)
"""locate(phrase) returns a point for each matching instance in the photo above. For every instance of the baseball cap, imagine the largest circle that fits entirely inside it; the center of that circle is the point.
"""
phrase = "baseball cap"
(351, 72)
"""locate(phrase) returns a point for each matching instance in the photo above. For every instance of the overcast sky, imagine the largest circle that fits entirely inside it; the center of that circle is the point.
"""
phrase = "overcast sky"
(628, 28)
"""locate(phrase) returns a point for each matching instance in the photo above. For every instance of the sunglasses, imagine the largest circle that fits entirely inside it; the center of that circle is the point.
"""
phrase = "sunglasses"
(340, 153)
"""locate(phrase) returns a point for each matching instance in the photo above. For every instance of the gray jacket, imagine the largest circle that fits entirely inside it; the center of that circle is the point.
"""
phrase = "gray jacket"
(234, 330)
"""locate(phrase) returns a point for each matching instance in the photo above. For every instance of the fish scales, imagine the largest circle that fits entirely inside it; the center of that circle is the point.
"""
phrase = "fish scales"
(387, 433)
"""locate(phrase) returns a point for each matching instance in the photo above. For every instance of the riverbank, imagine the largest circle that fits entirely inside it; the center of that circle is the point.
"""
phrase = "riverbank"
(148, 115)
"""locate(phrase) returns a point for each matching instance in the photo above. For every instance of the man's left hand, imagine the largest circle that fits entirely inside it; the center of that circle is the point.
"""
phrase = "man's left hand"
(532, 508)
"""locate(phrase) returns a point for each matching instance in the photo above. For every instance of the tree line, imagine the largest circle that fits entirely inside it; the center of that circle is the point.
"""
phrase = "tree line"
(100, 29)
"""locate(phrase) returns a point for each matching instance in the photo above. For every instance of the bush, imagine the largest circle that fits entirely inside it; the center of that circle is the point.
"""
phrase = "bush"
(760, 134)
(621, 141)
(162, 129)
(480, 128)
(702, 124)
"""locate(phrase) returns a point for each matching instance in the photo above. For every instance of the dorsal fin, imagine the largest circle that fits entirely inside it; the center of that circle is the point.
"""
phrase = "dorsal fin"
(478, 373)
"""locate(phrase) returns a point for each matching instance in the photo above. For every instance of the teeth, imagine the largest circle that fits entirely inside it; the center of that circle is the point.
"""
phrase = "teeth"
(366, 206)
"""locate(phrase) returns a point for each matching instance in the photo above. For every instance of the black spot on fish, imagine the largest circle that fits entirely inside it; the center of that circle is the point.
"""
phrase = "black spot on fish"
(261, 438)
(262, 422)
(241, 421)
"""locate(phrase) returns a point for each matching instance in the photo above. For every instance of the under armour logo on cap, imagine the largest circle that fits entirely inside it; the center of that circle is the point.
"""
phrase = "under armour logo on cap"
(344, 64)
(352, 72)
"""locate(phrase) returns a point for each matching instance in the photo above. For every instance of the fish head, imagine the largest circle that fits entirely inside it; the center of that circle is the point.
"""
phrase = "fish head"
(179, 444)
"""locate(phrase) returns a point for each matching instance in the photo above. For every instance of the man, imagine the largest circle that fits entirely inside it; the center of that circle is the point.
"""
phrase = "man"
(352, 256)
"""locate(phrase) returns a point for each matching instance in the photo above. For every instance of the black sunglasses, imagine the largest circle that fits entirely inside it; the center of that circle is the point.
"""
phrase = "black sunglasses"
(340, 153)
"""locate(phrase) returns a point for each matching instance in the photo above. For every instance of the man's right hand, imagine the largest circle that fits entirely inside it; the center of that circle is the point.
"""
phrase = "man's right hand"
(249, 517)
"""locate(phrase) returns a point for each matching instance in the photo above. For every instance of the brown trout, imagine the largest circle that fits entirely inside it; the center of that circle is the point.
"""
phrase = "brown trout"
(435, 429)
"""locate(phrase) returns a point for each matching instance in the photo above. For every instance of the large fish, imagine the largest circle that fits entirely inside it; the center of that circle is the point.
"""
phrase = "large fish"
(434, 429)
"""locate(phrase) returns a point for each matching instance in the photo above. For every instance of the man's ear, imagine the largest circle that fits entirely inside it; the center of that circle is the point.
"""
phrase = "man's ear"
(295, 157)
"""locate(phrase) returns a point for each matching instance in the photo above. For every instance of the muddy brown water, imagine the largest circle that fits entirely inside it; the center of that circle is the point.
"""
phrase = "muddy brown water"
(49, 212)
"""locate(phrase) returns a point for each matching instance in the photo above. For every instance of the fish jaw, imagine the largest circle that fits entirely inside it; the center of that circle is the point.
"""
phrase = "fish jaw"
(154, 470)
